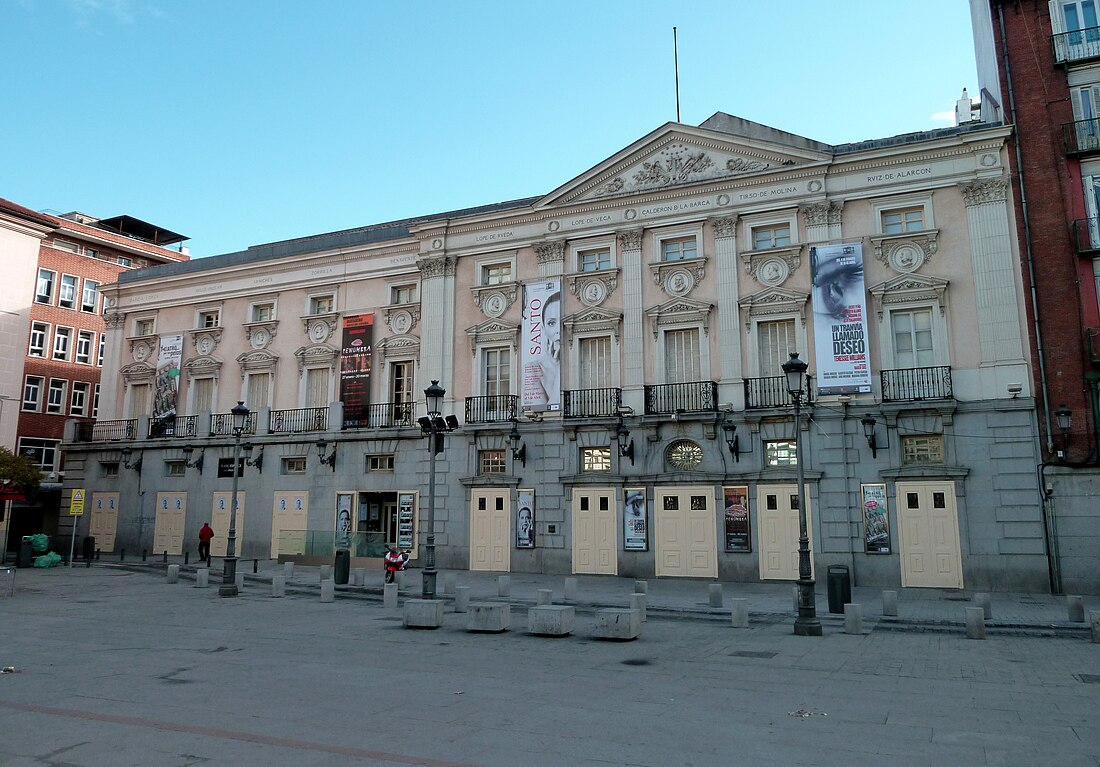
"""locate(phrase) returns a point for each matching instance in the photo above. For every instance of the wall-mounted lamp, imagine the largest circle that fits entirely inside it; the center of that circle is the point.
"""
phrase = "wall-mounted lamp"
(519, 452)
(1065, 420)
(195, 464)
(330, 459)
(127, 454)
(258, 461)
(625, 450)
(729, 428)
(869, 422)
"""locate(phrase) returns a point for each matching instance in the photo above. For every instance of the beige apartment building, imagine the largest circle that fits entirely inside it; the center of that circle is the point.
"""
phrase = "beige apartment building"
(612, 352)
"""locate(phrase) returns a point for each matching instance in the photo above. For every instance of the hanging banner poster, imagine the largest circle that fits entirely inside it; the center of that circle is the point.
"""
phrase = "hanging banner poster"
(735, 500)
(876, 524)
(343, 520)
(634, 519)
(525, 519)
(840, 319)
(541, 352)
(168, 376)
(355, 365)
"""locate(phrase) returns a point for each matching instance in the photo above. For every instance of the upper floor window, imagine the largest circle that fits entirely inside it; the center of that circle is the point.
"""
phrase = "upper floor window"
(124, 261)
(294, 465)
(903, 220)
(774, 236)
(595, 459)
(42, 451)
(40, 332)
(144, 327)
(922, 448)
(496, 274)
(89, 298)
(780, 453)
(78, 406)
(62, 338)
(66, 294)
(679, 249)
(55, 401)
(210, 318)
(85, 339)
(102, 349)
(325, 304)
(403, 294)
(43, 293)
(382, 462)
(593, 260)
(264, 312)
(491, 462)
(497, 372)
(32, 393)
(95, 402)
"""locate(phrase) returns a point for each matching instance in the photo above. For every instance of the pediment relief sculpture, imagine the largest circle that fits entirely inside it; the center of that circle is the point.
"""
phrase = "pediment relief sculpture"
(593, 288)
(910, 289)
(906, 252)
(680, 311)
(260, 334)
(495, 300)
(142, 348)
(206, 340)
(679, 278)
(138, 372)
(317, 354)
(592, 321)
(257, 361)
(202, 366)
(773, 302)
(320, 327)
(401, 319)
(773, 266)
(493, 332)
(400, 347)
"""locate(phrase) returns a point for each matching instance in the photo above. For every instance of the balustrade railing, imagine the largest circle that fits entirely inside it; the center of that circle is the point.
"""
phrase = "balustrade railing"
(491, 409)
(591, 403)
(299, 420)
(106, 431)
(1077, 45)
(221, 424)
(771, 391)
(914, 384)
(692, 397)
(173, 426)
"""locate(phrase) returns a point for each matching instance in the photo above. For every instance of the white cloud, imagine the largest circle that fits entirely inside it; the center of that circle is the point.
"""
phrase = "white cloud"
(944, 117)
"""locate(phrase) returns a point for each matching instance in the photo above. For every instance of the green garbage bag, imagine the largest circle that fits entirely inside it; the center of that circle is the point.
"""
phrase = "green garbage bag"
(53, 559)
(39, 542)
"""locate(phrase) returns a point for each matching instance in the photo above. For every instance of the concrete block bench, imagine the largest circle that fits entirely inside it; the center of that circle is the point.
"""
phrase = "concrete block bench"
(551, 620)
(615, 623)
(488, 617)
(423, 613)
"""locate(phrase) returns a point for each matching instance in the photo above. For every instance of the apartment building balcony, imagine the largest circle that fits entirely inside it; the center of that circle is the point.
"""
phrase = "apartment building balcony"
(771, 391)
(221, 424)
(1074, 47)
(1081, 138)
(1086, 236)
(591, 403)
(916, 384)
(173, 426)
(691, 397)
(491, 409)
(106, 431)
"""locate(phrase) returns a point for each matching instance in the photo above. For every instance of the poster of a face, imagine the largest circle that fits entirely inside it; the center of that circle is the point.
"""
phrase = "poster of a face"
(525, 519)
(840, 318)
(735, 501)
(876, 524)
(541, 353)
(343, 519)
(634, 519)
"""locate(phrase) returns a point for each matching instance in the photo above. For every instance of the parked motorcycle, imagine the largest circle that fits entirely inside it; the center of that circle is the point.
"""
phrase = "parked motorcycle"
(394, 561)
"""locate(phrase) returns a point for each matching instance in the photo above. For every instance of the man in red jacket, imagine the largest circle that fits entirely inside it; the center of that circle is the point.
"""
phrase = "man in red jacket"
(206, 533)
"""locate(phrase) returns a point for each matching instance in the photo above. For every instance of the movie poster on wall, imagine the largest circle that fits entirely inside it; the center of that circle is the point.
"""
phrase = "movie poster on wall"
(840, 319)
(169, 358)
(355, 368)
(541, 352)
(876, 525)
(735, 501)
(525, 519)
(634, 519)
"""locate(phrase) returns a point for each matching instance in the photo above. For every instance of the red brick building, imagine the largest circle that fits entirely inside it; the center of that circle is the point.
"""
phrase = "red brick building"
(61, 352)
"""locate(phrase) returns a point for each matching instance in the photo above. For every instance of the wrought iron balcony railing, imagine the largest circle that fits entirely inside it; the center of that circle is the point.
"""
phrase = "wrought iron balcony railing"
(173, 426)
(106, 431)
(772, 391)
(221, 425)
(1081, 137)
(1079, 45)
(915, 384)
(693, 397)
(491, 409)
(590, 403)
(299, 420)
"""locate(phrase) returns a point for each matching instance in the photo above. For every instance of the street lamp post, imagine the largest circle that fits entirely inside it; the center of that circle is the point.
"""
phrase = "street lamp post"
(433, 395)
(807, 623)
(229, 571)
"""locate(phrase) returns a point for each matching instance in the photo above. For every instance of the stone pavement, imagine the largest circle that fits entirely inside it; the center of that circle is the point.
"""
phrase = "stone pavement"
(918, 609)
(114, 667)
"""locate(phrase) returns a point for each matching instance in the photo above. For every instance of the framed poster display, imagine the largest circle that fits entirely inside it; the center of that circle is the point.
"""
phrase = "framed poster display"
(876, 522)
(735, 501)
(525, 519)
(406, 522)
(634, 520)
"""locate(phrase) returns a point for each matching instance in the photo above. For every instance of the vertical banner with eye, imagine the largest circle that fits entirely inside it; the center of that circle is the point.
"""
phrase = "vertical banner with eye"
(541, 353)
(840, 319)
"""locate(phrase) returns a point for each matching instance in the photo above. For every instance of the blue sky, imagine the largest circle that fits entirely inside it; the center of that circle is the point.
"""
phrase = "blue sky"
(238, 122)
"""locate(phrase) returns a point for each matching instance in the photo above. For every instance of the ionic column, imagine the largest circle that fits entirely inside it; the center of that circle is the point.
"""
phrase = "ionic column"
(729, 336)
(437, 307)
(633, 375)
(551, 258)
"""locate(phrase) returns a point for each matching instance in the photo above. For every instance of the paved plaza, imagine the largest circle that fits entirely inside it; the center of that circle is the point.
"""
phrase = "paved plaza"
(113, 666)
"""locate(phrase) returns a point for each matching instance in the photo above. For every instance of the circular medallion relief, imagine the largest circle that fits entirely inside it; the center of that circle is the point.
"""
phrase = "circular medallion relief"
(437, 244)
(593, 292)
(684, 454)
(679, 282)
(259, 338)
(401, 322)
(553, 226)
(205, 345)
(495, 304)
(630, 214)
(723, 199)
(318, 332)
(773, 271)
(814, 186)
(907, 257)
(142, 351)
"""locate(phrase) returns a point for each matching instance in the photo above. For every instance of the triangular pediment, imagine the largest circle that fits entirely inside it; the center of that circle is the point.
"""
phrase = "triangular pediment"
(592, 320)
(676, 155)
(909, 289)
(774, 302)
(493, 331)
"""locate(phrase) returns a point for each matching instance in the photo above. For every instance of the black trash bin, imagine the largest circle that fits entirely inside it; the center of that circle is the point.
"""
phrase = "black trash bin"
(342, 568)
(839, 586)
(25, 558)
(89, 546)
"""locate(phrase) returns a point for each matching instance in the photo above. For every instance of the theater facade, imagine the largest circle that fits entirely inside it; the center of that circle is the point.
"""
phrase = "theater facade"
(612, 355)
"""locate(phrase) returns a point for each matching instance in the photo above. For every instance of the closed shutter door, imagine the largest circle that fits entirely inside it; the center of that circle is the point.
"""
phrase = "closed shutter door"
(682, 363)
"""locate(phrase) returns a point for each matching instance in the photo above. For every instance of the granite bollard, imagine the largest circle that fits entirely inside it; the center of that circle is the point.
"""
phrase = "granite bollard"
(975, 623)
(890, 603)
(740, 613)
(288, 570)
(238, 581)
(1094, 620)
(173, 573)
(1075, 607)
(423, 613)
(328, 590)
(714, 594)
(325, 572)
(504, 585)
(571, 588)
(449, 583)
(613, 623)
(488, 617)
(641, 587)
(853, 618)
(278, 585)
(551, 620)
(462, 599)
(389, 596)
(637, 602)
(202, 577)
(983, 600)
(545, 596)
